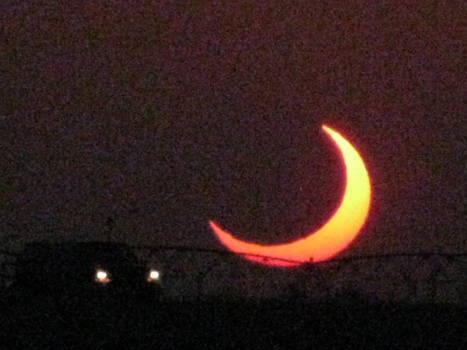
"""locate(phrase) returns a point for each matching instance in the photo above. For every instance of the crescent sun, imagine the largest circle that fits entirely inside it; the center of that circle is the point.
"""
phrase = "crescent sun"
(333, 237)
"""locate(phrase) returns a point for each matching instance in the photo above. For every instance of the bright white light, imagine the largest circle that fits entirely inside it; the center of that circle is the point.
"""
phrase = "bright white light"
(153, 275)
(102, 276)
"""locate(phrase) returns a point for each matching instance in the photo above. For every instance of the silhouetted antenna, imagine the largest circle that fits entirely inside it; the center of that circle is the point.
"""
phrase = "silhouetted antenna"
(110, 223)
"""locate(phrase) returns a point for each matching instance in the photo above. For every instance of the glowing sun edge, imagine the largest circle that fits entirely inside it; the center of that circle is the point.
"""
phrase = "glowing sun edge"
(334, 236)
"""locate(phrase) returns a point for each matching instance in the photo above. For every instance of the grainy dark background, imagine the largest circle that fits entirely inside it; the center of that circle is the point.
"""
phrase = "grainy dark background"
(163, 114)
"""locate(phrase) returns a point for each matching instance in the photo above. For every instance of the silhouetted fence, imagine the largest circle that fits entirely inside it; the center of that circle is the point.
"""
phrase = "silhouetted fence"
(189, 272)
(421, 276)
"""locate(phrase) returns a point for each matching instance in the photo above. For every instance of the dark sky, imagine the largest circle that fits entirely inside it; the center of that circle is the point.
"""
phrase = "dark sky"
(162, 115)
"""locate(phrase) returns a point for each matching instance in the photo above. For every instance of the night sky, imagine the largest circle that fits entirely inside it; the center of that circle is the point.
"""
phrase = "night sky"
(152, 117)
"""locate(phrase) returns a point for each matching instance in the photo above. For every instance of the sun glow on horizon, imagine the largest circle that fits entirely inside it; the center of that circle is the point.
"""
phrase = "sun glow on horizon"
(333, 237)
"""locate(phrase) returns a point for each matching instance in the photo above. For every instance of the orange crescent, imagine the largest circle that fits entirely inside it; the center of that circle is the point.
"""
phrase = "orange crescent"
(333, 237)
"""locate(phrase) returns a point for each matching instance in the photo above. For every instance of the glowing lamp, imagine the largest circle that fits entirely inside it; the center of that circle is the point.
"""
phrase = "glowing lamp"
(102, 276)
(153, 276)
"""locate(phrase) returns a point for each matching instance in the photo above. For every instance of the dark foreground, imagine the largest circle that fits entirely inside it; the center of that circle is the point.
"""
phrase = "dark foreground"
(126, 323)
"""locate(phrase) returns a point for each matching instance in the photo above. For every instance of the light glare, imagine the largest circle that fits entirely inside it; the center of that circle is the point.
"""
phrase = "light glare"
(153, 275)
(102, 276)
